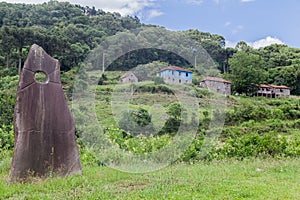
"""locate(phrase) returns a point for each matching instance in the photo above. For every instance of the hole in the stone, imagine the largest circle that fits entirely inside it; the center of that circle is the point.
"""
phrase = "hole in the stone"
(40, 77)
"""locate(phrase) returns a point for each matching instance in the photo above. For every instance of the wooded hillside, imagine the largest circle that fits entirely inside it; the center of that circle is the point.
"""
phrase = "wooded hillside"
(69, 32)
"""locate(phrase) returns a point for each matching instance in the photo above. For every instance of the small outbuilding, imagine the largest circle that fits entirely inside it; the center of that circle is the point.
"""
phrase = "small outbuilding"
(129, 77)
(218, 85)
(272, 91)
(175, 75)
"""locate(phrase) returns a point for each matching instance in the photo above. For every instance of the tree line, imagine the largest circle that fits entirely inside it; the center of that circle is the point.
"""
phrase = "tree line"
(69, 32)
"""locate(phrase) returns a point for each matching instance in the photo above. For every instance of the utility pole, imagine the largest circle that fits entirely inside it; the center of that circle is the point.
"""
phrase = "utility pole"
(103, 62)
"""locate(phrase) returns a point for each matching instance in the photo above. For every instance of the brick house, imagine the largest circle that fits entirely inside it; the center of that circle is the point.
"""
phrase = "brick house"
(272, 91)
(129, 77)
(218, 85)
(175, 75)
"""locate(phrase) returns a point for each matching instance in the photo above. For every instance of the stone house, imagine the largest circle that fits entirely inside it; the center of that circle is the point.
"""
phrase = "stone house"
(175, 75)
(129, 77)
(218, 85)
(272, 91)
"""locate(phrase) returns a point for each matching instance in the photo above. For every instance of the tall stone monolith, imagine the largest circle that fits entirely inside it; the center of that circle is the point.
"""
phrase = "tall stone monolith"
(43, 125)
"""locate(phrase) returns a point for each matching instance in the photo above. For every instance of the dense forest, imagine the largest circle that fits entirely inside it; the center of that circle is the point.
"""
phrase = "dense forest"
(69, 32)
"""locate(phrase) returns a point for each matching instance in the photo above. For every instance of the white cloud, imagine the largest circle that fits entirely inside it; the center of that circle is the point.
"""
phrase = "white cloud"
(257, 44)
(230, 44)
(265, 42)
(124, 7)
(237, 29)
(227, 24)
(245, 1)
(195, 2)
(153, 13)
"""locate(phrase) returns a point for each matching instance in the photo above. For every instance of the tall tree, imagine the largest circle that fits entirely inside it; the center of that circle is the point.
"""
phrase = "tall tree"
(246, 69)
(214, 45)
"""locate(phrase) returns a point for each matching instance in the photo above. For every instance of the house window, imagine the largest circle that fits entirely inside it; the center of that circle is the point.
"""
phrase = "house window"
(186, 74)
(179, 80)
(172, 72)
(179, 73)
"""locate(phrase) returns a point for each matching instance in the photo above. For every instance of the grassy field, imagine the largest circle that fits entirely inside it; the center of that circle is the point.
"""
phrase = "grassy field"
(248, 179)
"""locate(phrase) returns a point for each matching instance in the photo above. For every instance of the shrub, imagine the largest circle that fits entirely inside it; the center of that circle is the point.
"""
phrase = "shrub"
(137, 122)
(138, 144)
(6, 138)
(158, 80)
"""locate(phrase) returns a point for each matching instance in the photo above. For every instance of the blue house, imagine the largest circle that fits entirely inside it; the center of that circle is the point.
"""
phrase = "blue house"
(175, 75)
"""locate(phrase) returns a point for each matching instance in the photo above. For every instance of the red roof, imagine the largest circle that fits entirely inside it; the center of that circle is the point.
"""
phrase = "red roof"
(216, 79)
(273, 86)
(264, 86)
(126, 75)
(175, 68)
(280, 86)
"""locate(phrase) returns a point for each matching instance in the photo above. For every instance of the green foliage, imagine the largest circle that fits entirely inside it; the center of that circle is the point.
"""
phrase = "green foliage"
(6, 138)
(147, 72)
(175, 112)
(7, 103)
(194, 152)
(255, 145)
(8, 86)
(277, 55)
(141, 117)
(137, 122)
(255, 127)
(153, 88)
(138, 144)
(158, 80)
(145, 62)
(67, 32)
(288, 76)
(214, 45)
(246, 69)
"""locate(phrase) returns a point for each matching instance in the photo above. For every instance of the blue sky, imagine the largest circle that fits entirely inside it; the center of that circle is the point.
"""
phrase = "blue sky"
(258, 22)
(236, 20)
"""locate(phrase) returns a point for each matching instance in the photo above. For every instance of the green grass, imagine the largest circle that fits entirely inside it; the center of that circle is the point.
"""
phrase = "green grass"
(250, 179)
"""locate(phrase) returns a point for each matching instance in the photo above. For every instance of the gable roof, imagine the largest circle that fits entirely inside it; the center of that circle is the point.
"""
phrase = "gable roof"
(276, 86)
(264, 86)
(280, 86)
(216, 79)
(175, 68)
(127, 75)
(273, 86)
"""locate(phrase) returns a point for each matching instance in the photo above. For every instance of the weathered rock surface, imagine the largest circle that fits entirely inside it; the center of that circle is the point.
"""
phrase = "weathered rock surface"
(44, 128)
